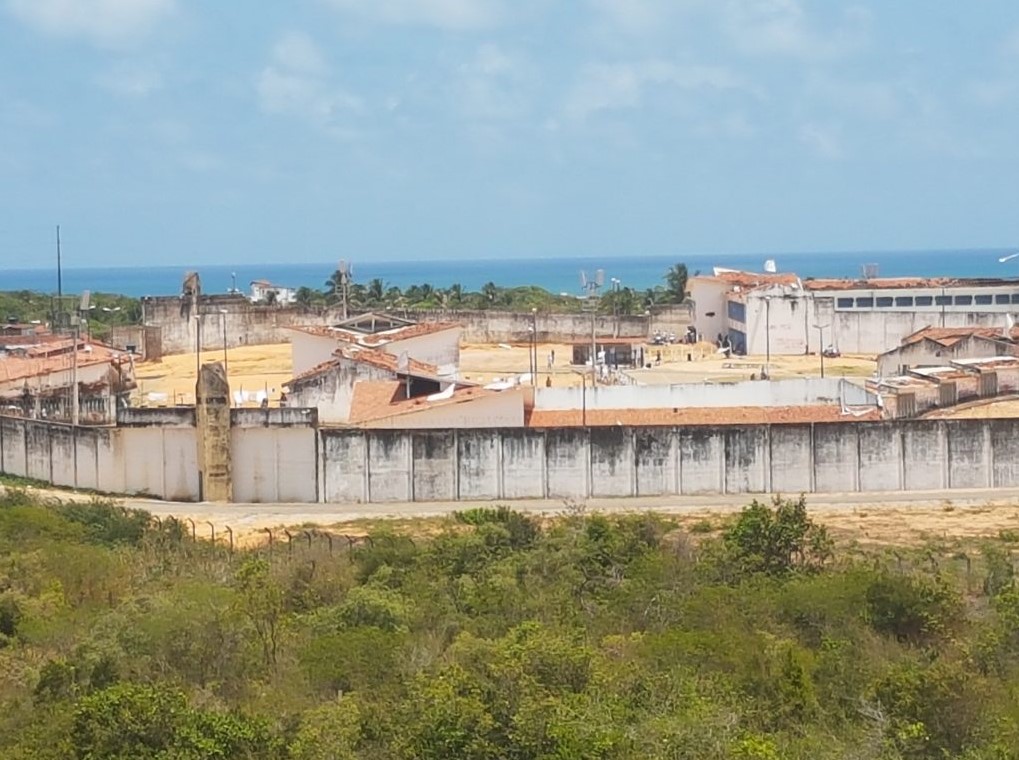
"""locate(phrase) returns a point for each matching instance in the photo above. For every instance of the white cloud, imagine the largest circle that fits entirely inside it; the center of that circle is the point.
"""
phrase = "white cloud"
(444, 14)
(132, 80)
(107, 22)
(823, 140)
(493, 86)
(782, 27)
(876, 99)
(645, 17)
(605, 87)
(297, 82)
(298, 52)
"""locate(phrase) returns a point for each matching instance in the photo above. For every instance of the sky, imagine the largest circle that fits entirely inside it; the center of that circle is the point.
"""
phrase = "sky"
(158, 132)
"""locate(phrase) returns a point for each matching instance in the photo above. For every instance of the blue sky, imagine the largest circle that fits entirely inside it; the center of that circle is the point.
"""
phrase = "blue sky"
(180, 131)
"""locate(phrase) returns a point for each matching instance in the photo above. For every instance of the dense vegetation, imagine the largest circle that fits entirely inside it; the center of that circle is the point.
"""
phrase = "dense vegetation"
(615, 298)
(496, 637)
(106, 309)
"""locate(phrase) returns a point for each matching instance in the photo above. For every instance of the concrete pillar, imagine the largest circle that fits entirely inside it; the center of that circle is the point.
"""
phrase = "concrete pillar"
(212, 414)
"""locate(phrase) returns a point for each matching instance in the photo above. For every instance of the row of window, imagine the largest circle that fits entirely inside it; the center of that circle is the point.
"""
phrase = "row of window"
(884, 302)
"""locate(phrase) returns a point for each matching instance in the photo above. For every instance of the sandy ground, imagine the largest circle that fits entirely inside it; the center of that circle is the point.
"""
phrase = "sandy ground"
(991, 409)
(895, 518)
(251, 368)
(254, 368)
(874, 519)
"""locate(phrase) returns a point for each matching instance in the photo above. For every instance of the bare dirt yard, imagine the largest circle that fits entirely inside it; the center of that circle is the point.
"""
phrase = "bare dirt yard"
(251, 368)
(265, 368)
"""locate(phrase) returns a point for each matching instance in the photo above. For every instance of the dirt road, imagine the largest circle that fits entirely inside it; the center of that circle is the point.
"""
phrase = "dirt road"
(879, 517)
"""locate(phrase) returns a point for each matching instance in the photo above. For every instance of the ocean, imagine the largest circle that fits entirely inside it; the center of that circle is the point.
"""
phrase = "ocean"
(559, 275)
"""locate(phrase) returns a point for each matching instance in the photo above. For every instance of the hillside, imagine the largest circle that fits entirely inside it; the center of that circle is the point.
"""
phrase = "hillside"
(493, 635)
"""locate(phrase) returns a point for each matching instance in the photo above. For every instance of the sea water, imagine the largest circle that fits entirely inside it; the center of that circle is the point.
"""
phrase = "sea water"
(558, 275)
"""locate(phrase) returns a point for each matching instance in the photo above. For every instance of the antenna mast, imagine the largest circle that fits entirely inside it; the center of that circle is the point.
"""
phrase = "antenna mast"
(59, 311)
(591, 304)
(345, 271)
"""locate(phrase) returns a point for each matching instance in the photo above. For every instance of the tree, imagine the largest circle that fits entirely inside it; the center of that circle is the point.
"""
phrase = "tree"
(776, 540)
(262, 603)
(375, 292)
(675, 280)
(306, 296)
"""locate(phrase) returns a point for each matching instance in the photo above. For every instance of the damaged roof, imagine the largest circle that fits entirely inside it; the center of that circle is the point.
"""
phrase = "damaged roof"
(372, 357)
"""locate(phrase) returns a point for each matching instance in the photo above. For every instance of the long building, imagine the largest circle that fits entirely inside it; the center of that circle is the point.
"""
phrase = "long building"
(783, 314)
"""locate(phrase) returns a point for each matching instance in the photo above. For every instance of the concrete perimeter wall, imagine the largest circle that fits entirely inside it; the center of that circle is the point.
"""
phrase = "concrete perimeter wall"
(289, 460)
(363, 466)
(245, 323)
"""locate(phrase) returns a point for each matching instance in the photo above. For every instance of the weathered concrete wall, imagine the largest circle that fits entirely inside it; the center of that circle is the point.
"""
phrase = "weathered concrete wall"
(242, 322)
(578, 463)
(789, 392)
(290, 460)
(245, 323)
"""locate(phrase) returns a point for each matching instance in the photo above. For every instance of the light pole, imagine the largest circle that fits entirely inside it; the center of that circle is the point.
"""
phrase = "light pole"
(198, 350)
(534, 345)
(820, 344)
(616, 282)
(226, 366)
(583, 397)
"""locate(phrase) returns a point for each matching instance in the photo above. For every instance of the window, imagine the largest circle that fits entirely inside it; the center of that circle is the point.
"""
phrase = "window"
(904, 301)
(942, 300)
(737, 311)
(963, 300)
(924, 300)
(884, 301)
(984, 299)
(1001, 298)
(865, 303)
(845, 303)
(1015, 298)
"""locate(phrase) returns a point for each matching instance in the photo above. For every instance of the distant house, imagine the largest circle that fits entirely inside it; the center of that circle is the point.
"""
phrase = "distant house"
(262, 292)
(36, 378)
(939, 346)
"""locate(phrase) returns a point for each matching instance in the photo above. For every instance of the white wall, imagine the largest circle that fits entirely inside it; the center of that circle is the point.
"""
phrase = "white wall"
(439, 348)
(852, 330)
(789, 392)
(331, 392)
(307, 351)
(709, 296)
(791, 317)
(273, 464)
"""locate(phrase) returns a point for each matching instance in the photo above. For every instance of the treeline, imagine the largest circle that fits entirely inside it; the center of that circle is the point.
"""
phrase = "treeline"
(377, 294)
(497, 636)
(106, 310)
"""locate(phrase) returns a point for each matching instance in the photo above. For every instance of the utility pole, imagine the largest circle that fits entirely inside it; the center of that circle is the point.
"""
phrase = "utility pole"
(58, 312)
(226, 366)
(534, 346)
(820, 344)
(74, 375)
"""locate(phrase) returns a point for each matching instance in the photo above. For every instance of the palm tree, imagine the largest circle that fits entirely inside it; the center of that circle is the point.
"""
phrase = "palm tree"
(675, 280)
(375, 292)
(456, 293)
(489, 291)
(394, 297)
